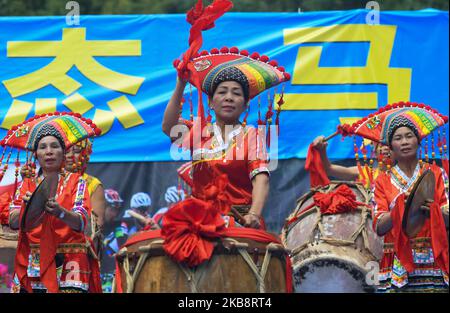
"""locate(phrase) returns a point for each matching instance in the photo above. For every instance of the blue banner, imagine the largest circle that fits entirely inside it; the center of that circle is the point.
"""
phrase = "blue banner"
(117, 70)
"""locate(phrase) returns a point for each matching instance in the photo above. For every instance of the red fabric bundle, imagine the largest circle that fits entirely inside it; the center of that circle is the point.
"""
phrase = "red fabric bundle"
(341, 200)
(317, 174)
(188, 230)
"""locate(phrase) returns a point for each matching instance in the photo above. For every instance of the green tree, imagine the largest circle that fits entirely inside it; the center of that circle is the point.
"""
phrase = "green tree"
(57, 7)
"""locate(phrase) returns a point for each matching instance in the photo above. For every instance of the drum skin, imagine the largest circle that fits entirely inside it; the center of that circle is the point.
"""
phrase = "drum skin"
(333, 253)
(225, 272)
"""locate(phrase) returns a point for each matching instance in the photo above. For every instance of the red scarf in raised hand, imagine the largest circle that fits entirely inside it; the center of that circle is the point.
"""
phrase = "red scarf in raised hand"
(317, 174)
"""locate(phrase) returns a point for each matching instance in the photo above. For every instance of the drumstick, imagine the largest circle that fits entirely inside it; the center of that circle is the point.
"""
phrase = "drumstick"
(238, 215)
(138, 216)
(331, 136)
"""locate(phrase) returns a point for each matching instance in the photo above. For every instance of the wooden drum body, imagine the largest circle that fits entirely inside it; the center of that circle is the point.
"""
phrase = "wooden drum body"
(237, 265)
(332, 253)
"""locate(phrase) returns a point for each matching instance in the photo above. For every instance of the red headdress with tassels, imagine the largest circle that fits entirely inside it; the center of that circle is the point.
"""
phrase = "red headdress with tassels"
(424, 119)
(69, 127)
(204, 69)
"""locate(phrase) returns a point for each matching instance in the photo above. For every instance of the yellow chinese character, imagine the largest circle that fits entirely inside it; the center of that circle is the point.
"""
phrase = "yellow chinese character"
(73, 50)
(376, 71)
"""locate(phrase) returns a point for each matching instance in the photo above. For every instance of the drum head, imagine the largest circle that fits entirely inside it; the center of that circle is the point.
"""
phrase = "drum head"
(34, 210)
(422, 190)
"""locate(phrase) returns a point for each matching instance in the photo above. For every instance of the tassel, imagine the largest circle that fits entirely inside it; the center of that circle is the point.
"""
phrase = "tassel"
(5, 167)
(433, 154)
(358, 163)
(16, 172)
(268, 120)
(280, 102)
(1, 162)
(244, 123)
(427, 159)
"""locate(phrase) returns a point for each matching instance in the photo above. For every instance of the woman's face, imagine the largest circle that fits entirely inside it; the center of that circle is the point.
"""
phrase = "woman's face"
(404, 144)
(50, 154)
(73, 154)
(228, 102)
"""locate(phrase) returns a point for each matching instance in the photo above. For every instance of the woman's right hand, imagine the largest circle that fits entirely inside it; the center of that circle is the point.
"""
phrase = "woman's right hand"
(320, 144)
(27, 196)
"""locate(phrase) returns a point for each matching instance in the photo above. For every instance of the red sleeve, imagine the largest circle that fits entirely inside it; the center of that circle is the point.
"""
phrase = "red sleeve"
(257, 157)
(381, 204)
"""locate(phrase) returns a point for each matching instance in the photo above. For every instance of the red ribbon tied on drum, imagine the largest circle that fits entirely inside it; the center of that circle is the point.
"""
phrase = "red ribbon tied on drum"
(342, 200)
(188, 230)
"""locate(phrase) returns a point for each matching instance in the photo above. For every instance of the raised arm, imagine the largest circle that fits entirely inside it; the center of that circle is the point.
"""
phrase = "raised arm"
(334, 170)
(172, 112)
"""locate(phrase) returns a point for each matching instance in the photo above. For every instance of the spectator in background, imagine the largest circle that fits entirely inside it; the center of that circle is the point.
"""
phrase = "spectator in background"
(114, 237)
(140, 205)
(113, 230)
(173, 195)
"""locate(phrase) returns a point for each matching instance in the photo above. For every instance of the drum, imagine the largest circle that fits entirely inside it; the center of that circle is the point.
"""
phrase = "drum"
(333, 253)
(8, 246)
(237, 265)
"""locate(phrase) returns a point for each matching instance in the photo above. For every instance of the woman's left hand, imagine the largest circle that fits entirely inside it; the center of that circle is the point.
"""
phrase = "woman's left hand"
(425, 208)
(53, 207)
(252, 221)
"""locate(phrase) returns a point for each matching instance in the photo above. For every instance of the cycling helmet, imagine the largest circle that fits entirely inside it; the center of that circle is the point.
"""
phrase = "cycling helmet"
(173, 195)
(112, 196)
(140, 199)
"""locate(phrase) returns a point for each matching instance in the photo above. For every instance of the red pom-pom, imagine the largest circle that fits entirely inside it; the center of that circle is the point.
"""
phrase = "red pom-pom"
(244, 53)
(381, 110)
(224, 50)
(89, 121)
(388, 107)
(287, 76)
(64, 113)
(204, 52)
(281, 68)
(98, 131)
(264, 58)
(234, 50)
(255, 55)
(370, 115)
(364, 119)
(14, 127)
(176, 62)
(428, 107)
(77, 115)
(49, 114)
(445, 118)
(57, 113)
(215, 51)
(274, 63)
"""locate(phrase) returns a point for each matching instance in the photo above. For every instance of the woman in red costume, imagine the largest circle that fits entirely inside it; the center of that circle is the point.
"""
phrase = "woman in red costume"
(418, 263)
(66, 263)
(230, 149)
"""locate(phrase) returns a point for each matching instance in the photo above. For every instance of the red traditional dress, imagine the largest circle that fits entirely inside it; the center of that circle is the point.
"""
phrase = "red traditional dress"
(419, 264)
(75, 269)
(237, 159)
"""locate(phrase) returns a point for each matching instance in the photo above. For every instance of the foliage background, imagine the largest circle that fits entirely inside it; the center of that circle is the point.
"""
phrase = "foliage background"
(57, 7)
